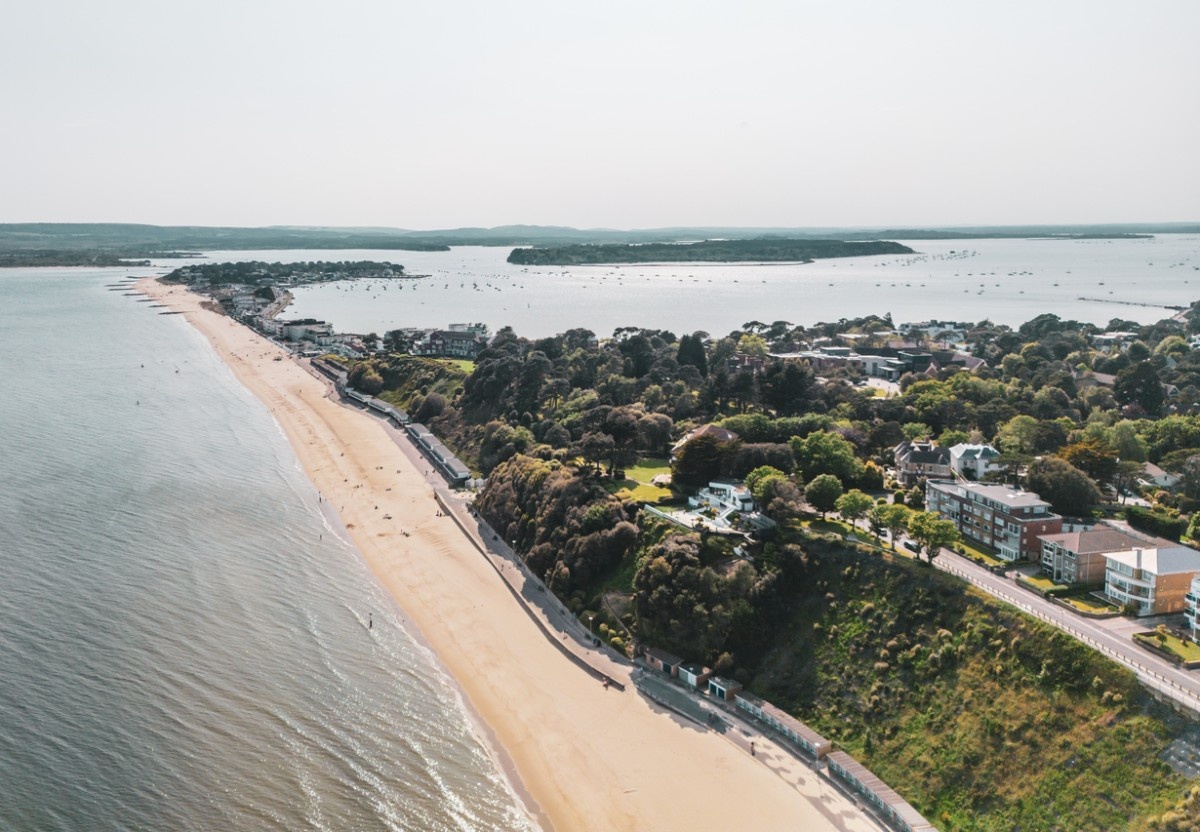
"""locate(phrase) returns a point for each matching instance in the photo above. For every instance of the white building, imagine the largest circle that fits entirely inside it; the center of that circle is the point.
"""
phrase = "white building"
(974, 462)
(1151, 581)
(1191, 602)
(726, 495)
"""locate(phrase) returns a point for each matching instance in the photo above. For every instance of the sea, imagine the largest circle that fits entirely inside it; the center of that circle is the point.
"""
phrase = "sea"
(186, 641)
(1007, 281)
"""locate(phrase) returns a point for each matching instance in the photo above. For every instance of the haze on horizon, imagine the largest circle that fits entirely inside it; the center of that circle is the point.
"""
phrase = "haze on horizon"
(625, 115)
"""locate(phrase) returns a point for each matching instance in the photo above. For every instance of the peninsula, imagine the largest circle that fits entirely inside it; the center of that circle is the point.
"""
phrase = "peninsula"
(766, 250)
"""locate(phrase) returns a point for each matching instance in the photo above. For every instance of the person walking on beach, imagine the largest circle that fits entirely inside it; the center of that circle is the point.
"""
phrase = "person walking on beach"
(370, 620)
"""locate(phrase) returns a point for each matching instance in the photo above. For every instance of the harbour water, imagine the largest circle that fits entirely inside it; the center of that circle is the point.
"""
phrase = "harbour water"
(1006, 281)
(185, 641)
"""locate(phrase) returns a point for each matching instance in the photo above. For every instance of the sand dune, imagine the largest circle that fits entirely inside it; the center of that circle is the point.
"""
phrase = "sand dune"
(586, 757)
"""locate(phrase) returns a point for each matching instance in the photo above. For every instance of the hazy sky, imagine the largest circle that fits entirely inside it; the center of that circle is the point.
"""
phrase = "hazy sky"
(621, 114)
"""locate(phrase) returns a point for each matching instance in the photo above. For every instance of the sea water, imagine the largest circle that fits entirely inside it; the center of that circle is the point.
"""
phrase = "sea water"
(1006, 281)
(185, 642)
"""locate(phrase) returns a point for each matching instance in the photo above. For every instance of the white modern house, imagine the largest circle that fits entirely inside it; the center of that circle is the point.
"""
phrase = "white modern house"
(974, 462)
(724, 495)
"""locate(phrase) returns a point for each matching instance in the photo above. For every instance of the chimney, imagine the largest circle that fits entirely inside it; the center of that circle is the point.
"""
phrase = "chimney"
(1137, 553)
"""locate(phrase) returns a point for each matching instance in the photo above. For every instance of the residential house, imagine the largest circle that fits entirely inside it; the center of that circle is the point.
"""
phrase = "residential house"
(974, 462)
(1151, 581)
(725, 495)
(444, 343)
(1154, 477)
(1079, 557)
(997, 516)
(921, 460)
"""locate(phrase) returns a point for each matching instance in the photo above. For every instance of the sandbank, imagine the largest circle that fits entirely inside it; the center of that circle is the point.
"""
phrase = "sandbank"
(591, 758)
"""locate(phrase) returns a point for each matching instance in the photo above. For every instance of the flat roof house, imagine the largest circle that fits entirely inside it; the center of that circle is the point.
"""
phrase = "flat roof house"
(1151, 581)
(998, 516)
(1078, 557)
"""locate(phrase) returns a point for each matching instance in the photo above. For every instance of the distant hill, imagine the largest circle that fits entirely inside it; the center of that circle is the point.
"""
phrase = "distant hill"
(92, 243)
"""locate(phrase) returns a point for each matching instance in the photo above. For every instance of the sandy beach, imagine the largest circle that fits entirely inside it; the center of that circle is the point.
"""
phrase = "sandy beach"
(586, 757)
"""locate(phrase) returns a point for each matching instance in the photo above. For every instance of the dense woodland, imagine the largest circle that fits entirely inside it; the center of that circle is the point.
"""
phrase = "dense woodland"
(766, 249)
(945, 694)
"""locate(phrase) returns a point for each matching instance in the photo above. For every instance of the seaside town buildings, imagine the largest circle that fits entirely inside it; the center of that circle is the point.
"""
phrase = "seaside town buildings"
(1005, 519)
(921, 460)
(1151, 581)
(1079, 556)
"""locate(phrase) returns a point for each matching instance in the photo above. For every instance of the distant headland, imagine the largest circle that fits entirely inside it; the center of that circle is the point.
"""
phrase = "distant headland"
(126, 244)
(724, 251)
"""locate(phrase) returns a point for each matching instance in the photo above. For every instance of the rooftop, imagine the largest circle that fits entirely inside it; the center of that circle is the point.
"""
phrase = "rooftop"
(1101, 539)
(965, 451)
(1006, 494)
(1162, 560)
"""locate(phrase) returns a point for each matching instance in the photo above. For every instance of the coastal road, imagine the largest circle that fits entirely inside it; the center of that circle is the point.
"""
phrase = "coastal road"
(1111, 636)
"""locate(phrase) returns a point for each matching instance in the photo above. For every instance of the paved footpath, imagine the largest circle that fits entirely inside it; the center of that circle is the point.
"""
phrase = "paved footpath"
(1111, 636)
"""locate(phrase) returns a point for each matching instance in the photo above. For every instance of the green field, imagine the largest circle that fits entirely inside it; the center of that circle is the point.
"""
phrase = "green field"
(637, 483)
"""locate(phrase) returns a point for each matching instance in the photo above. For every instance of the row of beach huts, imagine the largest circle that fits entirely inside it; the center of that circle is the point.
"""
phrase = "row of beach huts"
(446, 462)
(890, 807)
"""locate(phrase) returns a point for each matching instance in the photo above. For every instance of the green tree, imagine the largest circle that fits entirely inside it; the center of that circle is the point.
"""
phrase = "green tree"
(1019, 436)
(1067, 489)
(931, 532)
(826, 452)
(893, 517)
(700, 460)
(1094, 457)
(691, 352)
(853, 505)
(823, 492)
(756, 480)
(1140, 385)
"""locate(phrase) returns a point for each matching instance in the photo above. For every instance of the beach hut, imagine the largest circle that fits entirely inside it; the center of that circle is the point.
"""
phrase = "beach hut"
(668, 663)
(694, 675)
(724, 689)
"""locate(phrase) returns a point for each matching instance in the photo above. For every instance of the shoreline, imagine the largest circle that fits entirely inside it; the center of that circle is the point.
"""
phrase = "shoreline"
(578, 755)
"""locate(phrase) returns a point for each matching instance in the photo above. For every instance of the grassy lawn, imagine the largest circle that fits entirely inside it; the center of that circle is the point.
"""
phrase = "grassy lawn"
(633, 490)
(647, 469)
(463, 364)
(1189, 651)
(1086, 603)
(636, 485)
(976, 552)
(1041, 582)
